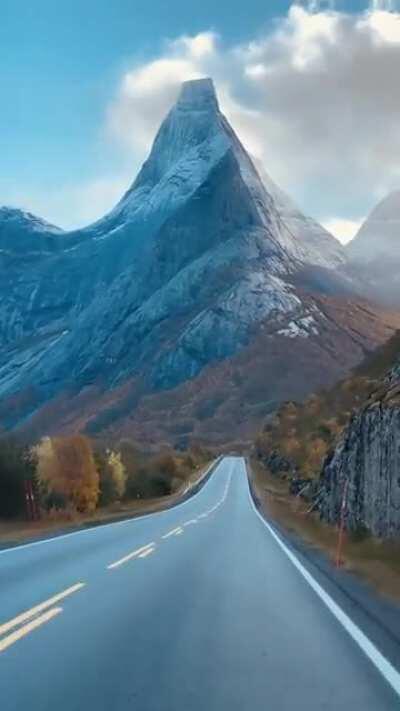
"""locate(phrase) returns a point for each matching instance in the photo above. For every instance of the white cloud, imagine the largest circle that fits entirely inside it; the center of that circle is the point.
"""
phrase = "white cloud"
(71, 206)
(316, 99)
(147, 92)
(385, 24)
(344, 230)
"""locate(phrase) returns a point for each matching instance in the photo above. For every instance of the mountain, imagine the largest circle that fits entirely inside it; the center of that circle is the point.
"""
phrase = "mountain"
(374, 253)
(25, 235)
(199, 264)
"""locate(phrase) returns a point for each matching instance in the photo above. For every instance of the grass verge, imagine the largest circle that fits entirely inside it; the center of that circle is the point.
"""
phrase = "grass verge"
(377, 562)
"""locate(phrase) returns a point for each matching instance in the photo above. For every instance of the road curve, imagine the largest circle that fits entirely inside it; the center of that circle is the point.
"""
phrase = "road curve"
(198, 608)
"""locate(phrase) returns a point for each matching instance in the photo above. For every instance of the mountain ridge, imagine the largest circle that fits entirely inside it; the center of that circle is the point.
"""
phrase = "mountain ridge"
(193, 261)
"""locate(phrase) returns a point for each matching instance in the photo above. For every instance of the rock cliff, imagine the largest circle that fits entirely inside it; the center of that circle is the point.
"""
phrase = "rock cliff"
(367, 457)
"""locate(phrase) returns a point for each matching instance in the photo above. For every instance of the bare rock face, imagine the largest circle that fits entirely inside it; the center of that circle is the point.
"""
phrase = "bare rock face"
(25, 235)
(368, 458)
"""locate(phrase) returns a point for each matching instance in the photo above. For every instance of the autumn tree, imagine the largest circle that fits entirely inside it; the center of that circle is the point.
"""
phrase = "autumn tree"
(66, 471)
(117, 473)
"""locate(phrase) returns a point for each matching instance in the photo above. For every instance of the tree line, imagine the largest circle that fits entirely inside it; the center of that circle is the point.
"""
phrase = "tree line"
(71, 474)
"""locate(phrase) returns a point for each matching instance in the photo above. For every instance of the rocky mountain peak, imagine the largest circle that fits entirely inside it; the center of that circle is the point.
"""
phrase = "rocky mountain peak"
(194, 142)
(198, 94)
(190, 139)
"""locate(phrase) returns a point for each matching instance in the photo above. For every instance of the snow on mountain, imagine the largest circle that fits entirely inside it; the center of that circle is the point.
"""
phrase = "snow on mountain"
(305, 238)
(196, 136)
(21, 232)
(197, 256)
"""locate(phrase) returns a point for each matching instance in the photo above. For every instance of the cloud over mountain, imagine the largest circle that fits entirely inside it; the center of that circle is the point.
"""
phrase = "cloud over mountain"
(315, 98)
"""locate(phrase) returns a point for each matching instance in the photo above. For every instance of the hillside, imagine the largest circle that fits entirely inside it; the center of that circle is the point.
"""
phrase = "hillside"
(228, 401)
(346, 438)
(303, 433)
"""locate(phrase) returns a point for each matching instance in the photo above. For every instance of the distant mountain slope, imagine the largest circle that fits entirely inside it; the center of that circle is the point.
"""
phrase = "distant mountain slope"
(374, 253)
(22, 234)
(195, 261)
(379, 236)
(228, 400)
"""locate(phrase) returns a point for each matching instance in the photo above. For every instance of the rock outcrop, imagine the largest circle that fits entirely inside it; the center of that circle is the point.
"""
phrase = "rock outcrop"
(366, 464)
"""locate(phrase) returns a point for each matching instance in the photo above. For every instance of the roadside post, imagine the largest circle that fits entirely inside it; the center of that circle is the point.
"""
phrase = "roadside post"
(32, 510)
(341, 525)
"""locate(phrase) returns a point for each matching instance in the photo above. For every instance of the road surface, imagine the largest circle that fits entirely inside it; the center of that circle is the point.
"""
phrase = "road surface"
(198, 608)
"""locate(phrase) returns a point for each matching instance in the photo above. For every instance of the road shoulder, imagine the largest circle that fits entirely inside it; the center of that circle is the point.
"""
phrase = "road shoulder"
(377, 615)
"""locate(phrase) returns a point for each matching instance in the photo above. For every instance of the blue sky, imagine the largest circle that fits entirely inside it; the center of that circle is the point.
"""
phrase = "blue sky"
(61, 68)
(60, 61)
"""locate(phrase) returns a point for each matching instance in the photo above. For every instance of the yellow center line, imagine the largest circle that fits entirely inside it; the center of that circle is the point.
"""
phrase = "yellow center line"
(38, 608)
(29, 627)
(134, 554)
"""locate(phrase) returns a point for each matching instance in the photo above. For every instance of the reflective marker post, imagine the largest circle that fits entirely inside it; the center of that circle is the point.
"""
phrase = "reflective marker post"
(341, 525)
(32, 509)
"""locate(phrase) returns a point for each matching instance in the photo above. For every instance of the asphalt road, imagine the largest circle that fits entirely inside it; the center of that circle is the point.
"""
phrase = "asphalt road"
(198, 608)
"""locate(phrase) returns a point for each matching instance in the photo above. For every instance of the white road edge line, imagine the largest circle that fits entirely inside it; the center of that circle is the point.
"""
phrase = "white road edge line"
(29, 627)
(387, 670)
(134, 554)
(38, 608)
(13, 549)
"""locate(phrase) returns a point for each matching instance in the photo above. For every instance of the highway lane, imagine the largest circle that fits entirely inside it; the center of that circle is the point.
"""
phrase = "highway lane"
(198, 607)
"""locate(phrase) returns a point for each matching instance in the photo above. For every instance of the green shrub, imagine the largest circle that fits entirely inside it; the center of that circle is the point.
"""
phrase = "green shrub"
(15, 467)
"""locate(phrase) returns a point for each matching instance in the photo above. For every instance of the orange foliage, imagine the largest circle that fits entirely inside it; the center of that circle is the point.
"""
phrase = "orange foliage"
(66, 467)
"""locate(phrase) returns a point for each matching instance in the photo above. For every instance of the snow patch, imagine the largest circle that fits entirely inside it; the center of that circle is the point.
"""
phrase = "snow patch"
(300, 328)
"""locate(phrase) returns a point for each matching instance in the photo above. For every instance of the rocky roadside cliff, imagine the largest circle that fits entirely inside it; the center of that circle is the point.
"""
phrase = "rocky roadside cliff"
(367, 457)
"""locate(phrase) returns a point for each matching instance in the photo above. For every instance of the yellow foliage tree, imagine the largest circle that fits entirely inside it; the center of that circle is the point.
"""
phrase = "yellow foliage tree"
(66, 466)
(118, 473)
(315, 453)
